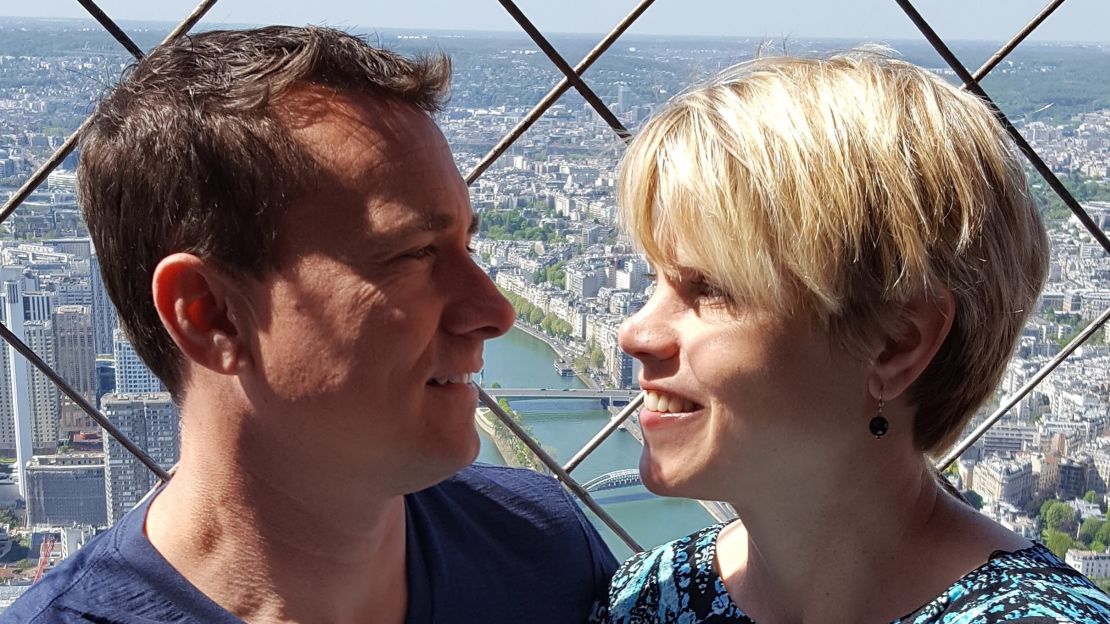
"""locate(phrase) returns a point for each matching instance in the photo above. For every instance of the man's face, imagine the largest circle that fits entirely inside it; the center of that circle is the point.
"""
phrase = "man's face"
(372, 323)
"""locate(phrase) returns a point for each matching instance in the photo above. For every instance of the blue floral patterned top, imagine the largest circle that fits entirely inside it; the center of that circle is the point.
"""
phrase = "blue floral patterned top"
(678, 583)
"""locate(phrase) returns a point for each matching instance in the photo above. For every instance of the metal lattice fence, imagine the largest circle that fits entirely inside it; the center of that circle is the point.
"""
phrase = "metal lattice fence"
(573, 78)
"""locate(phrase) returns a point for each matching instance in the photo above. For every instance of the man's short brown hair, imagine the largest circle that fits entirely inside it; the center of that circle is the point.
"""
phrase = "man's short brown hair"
(189, 153)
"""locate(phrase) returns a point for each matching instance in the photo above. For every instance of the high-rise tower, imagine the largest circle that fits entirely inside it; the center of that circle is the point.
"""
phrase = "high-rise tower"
(132, 374)
(151, 421)
(104, 313)
(21, 399)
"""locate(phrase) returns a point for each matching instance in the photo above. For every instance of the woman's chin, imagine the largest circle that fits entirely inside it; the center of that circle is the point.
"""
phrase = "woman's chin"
(664, 478)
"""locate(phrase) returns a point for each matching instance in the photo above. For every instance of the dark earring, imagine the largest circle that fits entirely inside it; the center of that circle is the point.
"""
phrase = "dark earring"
(879, 424)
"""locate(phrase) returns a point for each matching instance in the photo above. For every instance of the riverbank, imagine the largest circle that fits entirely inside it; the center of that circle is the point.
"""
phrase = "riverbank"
(508, 446)
(563, 427)
(561, 349)
(481, 418)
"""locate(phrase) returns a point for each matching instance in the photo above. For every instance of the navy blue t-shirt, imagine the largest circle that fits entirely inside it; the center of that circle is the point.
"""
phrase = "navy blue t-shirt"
(488, 545)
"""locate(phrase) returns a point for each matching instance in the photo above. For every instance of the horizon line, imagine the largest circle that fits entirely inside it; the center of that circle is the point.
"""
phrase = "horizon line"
(352, 27)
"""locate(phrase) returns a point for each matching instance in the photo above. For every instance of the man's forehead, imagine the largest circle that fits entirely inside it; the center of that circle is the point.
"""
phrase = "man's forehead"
(378, 153)
(354, 134)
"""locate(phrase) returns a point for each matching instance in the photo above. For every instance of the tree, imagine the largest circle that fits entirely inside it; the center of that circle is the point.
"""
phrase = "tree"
(1032, 507)
(1045, 506)
(562, 328)
(598, 359)
(1093, 497)
(974, 498)
(536, 316)
(1089, 529)
(1058, 542)
(1061, 517)
(556, 275)
(495, 384)
(1103, 533)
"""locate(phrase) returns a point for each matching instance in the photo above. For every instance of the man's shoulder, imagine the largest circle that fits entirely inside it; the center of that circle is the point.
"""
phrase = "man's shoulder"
(514, 499)
(502, 483)
(117, 577)
(80, 578)
(514, 525)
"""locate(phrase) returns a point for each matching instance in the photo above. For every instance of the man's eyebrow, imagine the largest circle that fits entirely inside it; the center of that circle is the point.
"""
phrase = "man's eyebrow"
(435, 223)
(439, 222)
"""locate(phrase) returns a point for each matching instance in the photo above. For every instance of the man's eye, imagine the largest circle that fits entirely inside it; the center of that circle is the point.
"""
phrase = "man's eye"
(419, 254)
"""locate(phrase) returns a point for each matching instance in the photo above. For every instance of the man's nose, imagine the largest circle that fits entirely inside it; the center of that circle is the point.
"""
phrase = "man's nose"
(478, 308)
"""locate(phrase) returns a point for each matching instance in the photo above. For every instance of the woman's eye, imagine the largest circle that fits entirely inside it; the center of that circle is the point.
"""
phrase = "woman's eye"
(707, 291)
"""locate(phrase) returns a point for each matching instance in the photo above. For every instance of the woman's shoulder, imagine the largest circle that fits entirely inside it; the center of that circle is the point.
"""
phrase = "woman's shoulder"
(1031, 582)
(673, 582)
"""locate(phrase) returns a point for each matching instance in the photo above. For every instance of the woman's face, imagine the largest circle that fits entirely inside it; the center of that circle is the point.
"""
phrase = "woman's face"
(740, 400)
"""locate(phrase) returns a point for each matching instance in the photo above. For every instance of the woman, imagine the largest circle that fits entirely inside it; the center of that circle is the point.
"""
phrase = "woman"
(846, 255)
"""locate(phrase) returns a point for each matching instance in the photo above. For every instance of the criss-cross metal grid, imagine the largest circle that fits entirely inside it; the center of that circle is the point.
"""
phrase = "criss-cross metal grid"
(573, 77)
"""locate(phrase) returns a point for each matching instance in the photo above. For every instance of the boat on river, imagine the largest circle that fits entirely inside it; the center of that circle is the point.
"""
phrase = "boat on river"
(563, 368)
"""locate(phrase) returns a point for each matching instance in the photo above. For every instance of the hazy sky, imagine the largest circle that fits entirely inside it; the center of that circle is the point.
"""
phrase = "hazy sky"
(1076, 20)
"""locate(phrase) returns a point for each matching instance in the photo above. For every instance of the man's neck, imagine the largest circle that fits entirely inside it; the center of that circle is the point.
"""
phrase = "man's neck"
(269, 555)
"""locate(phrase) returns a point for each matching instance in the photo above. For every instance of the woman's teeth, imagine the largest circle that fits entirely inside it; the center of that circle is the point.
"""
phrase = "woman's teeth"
(667, 404)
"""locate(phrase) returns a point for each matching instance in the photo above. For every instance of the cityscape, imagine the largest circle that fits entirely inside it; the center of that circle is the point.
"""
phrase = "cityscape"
(550, 239)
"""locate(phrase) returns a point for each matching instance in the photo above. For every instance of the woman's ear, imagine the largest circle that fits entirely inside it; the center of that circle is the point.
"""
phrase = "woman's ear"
(193, 300)
(926, 320)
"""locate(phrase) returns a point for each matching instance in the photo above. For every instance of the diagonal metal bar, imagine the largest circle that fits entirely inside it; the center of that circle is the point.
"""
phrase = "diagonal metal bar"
(112, 27)
(605, 432)
(568, 71)
(1009, 403)
(1019, 140)
(191, 20)
(1005, 50)
(557, 470)
(556, 92)
(66, 148)
(76, 397)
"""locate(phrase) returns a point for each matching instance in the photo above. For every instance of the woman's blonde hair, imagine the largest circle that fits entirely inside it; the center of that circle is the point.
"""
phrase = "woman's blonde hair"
(842, 188)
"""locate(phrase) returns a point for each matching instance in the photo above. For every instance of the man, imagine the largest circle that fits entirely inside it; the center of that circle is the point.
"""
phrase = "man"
(285, 235)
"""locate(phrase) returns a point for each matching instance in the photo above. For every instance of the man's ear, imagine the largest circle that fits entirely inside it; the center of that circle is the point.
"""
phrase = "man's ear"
(926, 321)
(195, 303)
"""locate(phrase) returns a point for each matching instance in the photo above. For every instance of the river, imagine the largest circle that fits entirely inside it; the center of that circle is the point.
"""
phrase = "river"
(563, 426)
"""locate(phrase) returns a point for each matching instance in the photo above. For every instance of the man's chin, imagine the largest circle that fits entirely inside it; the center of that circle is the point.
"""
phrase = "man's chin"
(437, 465)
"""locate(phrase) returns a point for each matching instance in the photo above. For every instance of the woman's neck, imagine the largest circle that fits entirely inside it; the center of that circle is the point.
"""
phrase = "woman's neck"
(872, 550)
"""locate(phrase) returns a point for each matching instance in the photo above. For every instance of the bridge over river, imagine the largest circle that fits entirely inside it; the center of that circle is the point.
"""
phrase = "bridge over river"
(607, 397)
(613, 480)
